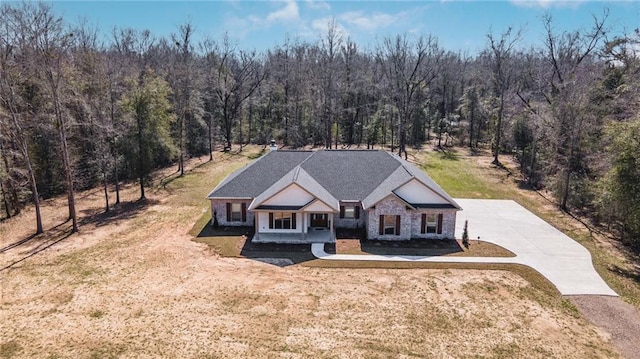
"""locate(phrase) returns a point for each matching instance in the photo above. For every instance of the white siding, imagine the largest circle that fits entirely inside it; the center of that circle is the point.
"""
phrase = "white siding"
(318, 206)
(416, 192)
(293, 195)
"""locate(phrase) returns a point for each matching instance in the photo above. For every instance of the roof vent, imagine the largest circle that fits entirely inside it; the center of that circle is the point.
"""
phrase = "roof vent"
(273, 146)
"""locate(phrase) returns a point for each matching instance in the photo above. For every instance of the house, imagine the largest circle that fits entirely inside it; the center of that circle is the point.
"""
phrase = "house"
(302, 196)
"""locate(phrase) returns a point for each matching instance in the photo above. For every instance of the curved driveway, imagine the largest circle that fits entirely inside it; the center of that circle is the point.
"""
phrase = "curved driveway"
(536, 244)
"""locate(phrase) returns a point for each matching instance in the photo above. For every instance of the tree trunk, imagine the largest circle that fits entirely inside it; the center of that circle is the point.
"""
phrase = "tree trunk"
(181, 161)
(113, 148)
(471, 127)
(117, 180)
(5, 195)
(67, 164)
(533, 163)
(498, 131)
(5, 201)
(62, 133)
(210, 138)
(34, 186)
(106, 184)
(140, 159)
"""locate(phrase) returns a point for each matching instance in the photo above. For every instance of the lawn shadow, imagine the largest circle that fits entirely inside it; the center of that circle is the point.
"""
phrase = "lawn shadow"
(175, 175)
(623, 272)
(354, 241)
(449, 155)
(235, 242)
(18, 243)
(122, 211)
(413, 247)
(49, 238)
(257, 155)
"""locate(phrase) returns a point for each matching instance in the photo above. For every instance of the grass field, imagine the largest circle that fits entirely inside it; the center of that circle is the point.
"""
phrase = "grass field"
(465, 176)
(134, 283)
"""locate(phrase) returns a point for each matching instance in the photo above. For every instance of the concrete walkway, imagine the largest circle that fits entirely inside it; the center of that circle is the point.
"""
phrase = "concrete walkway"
(536, 244)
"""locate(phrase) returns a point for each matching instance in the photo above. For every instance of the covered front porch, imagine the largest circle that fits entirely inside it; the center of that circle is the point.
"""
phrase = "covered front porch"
(293, 227)
(313, 235)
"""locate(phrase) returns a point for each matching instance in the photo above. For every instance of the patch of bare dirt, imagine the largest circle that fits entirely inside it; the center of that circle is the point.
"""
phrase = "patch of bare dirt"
(138, 286)
(621, 320)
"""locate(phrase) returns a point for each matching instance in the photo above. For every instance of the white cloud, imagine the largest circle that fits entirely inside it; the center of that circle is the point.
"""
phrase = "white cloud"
(370, 22)
(241, 26)
(288, 13)
(318, 4)
(546, 4)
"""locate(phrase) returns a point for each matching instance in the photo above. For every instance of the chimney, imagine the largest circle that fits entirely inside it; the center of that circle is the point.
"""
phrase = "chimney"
(273, 146)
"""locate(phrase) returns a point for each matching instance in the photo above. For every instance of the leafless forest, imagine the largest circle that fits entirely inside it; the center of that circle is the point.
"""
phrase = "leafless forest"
(79, 111)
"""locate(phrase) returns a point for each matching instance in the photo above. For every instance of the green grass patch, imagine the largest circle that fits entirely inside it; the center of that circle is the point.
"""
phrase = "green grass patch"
(461, 177)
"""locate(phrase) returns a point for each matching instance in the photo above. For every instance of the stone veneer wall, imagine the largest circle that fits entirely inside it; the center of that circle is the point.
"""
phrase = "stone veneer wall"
(389, 206)
(448, 224)
(220, 209)
(349, 222)
(410, 221)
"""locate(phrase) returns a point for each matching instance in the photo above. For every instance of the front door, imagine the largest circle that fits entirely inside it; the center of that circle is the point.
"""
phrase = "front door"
(319, 220)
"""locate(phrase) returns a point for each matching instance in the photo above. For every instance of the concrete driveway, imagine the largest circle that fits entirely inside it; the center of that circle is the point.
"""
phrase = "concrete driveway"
(536, 243)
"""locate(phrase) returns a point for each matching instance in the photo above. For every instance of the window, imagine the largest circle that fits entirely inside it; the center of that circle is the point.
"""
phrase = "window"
(236, 212)
(389, 225)
(350, 212)
(282, 220)
(431, 223)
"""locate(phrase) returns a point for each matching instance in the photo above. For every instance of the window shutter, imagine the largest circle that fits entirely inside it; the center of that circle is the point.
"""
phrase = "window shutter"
(423, 224)
(381, 226)
(357, 212)
(243, 207)
(397, 225)
(439, 223)
(270, 220)
(341, 211)
(228, 212)
(293, 221)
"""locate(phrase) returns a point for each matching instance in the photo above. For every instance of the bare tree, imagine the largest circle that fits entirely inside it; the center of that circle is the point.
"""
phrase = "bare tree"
(408, 67)
(183, 86)
(330, 44)
(237, 76)
(500, 52)
(569, 56)
(13, 73)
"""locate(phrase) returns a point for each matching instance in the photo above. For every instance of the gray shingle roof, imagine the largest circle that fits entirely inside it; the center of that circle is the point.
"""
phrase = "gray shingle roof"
(350, 174)
(399, 177)
(330, 175)
(303, 179)
(253, 179)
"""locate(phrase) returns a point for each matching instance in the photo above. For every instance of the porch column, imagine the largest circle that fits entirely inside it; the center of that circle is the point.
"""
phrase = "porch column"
(256, 215)
(330, 215)
(304, 224)
(304, 221)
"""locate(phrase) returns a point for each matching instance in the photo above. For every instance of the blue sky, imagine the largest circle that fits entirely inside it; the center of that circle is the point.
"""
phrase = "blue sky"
(458, 25)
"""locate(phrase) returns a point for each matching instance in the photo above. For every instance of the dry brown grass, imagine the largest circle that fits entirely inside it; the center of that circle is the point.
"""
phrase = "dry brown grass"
(138, 286)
